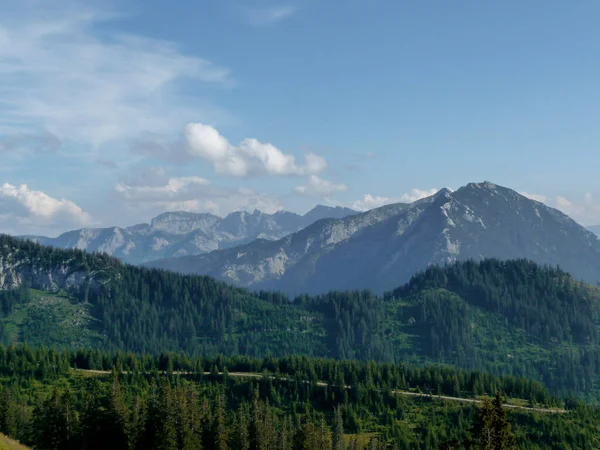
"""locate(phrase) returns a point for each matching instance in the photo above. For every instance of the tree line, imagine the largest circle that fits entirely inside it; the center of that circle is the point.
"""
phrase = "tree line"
(132, 408)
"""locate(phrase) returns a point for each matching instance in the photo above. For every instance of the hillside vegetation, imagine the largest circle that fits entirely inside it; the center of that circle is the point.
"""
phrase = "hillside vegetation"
(512, 317)
(52, 400)
(7, 443)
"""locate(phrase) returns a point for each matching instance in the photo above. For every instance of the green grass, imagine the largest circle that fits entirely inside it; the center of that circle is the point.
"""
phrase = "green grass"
(52, 320)
(8, 444)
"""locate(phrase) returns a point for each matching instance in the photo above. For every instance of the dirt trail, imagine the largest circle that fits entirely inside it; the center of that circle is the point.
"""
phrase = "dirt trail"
(397, 392)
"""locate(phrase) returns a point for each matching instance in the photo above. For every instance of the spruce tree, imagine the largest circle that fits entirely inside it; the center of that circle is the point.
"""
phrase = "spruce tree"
(338, 429)
(8, 418)
(491, 430)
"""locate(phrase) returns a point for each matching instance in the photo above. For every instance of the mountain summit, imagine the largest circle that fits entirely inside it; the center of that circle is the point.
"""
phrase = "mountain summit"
(173, 234)
(384, 247)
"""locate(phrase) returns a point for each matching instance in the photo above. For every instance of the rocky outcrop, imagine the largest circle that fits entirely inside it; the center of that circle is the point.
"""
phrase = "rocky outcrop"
(16, 270)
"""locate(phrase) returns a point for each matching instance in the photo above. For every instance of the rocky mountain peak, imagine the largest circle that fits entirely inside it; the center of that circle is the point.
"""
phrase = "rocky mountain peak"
(181, 233)
(383, 247)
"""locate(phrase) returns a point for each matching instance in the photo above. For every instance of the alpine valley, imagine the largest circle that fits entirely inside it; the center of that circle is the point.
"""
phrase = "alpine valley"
(384, 247)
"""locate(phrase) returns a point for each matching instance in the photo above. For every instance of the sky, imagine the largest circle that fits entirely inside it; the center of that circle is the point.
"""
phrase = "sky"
(113, 112)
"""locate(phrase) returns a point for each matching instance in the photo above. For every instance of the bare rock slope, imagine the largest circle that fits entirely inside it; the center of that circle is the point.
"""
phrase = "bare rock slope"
(175, 234)
(384, 247)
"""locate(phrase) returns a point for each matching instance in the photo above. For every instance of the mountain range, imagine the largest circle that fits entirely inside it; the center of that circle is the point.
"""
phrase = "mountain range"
(174, 234)
(384, 247)
(595, 229)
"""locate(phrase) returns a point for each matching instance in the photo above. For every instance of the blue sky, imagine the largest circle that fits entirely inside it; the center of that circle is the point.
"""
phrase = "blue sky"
(111, 113)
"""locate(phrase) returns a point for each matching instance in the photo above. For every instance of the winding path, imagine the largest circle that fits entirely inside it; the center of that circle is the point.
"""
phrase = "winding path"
(323, 384)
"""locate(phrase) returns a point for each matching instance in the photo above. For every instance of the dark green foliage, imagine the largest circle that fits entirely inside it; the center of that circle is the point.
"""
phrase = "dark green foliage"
(491, 430)
(513, 318)
(143, 408)
(543, 301)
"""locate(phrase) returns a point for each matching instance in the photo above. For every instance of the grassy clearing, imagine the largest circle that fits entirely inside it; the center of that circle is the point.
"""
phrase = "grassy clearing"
(8, 444)
(52, 320)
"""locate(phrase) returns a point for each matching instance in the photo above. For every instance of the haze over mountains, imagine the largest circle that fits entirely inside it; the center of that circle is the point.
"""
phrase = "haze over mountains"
(384, 247)
(175, 234)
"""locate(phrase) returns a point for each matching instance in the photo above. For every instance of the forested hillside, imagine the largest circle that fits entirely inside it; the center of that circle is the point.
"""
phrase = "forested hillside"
(509, 317)
(51, 400)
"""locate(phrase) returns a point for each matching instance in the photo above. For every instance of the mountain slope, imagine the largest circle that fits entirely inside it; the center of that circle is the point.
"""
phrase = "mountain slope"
(182, 233)
(511, 317)
(384, 247)
(595, 229)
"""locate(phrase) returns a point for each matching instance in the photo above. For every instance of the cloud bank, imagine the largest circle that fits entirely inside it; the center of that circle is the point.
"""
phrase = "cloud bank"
(249, 158)
(374, 201)
(59, 74)
(154, 191)
(586, 210)
(318, 187)
(23, 209)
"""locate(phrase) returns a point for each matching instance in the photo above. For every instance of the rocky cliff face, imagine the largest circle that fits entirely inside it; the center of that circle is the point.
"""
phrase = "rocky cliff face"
(176, 234)
(384, 247)
(14, 271)
(21, 262)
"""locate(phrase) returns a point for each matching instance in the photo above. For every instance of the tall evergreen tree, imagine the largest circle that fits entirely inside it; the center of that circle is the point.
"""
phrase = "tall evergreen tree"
(338, 429)
(491, 430)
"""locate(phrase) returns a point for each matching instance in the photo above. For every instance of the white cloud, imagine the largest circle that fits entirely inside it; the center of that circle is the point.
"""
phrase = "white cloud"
(58, 74)
(319, 187)
(173, 187)
(586, 210)
(23, 210)
(154, 191)
(249, 158)
(374, 201)
(371, 201)
(269, 15)
(417, 194)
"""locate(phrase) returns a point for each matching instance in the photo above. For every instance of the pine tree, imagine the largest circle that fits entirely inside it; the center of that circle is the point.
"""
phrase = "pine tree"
(242, 432)
(505, 439)
(118, 417)
(491, 430)
(338, 429)
(8, 418)
(137, 423)
(194, 418)
(92, 418)
(167, 436)
(220, 431)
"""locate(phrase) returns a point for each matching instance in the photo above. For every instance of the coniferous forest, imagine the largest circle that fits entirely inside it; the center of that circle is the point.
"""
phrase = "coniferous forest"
(95, 348)
(51, 400)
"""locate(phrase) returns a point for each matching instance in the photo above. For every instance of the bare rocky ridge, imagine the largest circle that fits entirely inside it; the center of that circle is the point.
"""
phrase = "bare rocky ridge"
(384, 247)
(175, 234)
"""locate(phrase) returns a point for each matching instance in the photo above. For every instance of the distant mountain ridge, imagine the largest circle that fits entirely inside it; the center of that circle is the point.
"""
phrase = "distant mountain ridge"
(173, 234)
(384, 247)
(595, 229)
